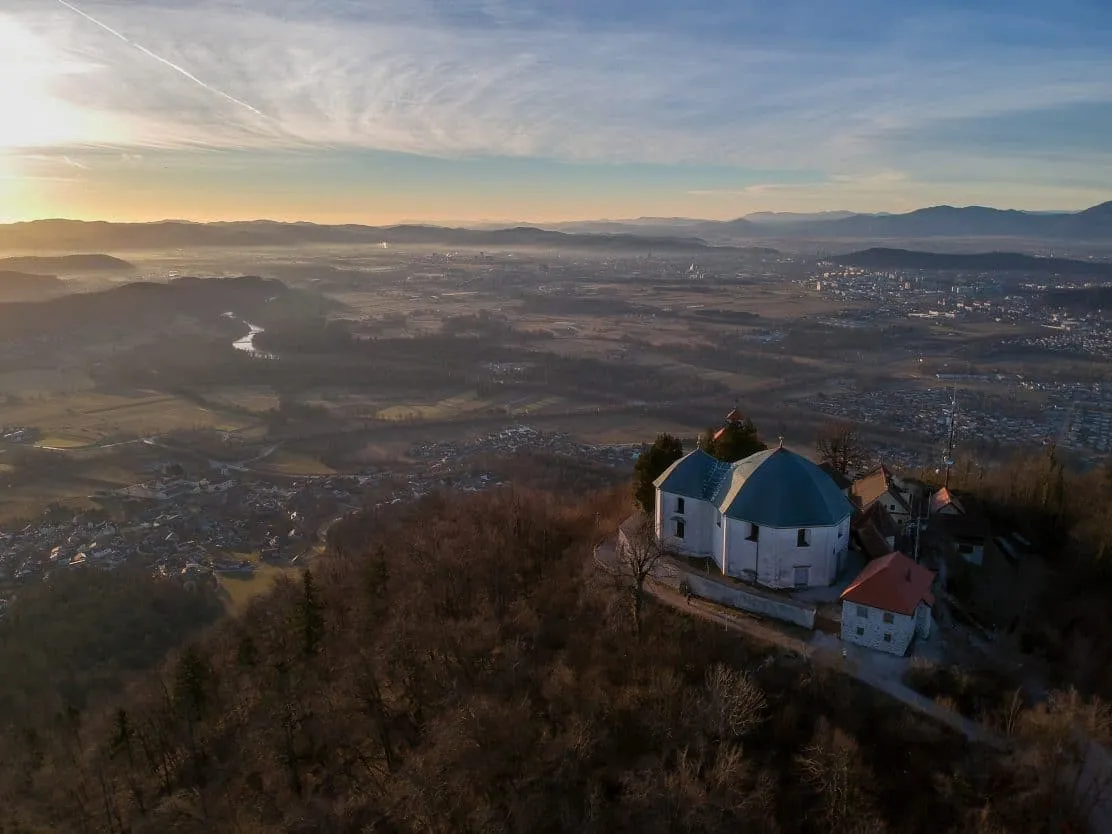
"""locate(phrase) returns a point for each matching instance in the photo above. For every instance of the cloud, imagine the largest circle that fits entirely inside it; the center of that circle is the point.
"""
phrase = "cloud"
(730, 84)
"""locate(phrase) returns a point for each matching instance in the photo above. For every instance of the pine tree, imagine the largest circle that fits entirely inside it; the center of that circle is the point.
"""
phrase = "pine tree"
(651, 464)
(310, 614)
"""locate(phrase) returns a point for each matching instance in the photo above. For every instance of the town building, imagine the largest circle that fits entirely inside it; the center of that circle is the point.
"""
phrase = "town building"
(773, 518)
(883, 487)
(873, 531)
(888, 605)
(968, 529)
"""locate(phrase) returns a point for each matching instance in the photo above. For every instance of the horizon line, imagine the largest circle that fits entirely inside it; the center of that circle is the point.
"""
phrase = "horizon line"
(446, 223)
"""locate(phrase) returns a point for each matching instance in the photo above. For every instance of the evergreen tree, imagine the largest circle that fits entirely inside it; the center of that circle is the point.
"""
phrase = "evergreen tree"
(664, 451)
(310, 615)
(736, 440)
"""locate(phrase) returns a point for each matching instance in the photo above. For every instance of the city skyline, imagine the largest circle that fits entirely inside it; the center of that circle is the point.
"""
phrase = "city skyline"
(380, 112)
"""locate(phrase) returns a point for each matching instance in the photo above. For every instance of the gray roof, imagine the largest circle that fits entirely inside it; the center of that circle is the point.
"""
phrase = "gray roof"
(774, 488)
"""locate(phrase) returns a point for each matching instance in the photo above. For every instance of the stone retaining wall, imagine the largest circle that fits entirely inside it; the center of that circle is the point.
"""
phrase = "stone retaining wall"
(755, 602)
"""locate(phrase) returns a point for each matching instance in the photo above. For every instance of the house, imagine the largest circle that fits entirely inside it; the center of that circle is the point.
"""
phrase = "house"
(874, 531)
(882, 486)
(967, 528)
(888, 604)
(773, 518)
(944, 503)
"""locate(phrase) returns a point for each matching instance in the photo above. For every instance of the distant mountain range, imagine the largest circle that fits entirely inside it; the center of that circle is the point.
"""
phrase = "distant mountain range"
(1093, 224)
(636, 235)
(988, 262)
(62, 235)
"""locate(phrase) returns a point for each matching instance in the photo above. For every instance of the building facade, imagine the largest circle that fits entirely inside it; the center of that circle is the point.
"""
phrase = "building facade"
(888, 605)
(773, 518)
(884, 631)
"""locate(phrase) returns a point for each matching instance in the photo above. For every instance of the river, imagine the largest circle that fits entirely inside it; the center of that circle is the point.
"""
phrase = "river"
(247, 343)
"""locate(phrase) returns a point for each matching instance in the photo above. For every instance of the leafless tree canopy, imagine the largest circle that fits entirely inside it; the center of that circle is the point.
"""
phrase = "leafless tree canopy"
(839, 445)
(639, 553)
(453, 666)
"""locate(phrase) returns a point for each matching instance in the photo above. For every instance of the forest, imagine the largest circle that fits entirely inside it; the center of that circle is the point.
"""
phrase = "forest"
(460, 665)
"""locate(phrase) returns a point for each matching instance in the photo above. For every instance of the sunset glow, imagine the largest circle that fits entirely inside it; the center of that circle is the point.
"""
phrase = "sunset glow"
(473, 110)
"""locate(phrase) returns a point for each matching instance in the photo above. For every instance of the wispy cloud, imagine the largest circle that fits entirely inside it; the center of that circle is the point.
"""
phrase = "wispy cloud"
(178, 69)
(854, 92)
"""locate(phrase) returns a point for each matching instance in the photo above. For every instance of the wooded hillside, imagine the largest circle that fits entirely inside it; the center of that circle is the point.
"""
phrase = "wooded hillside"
(462, 666)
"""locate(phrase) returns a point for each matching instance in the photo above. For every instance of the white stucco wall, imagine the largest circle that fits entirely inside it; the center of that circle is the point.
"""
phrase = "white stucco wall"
(902, 628)
(772, 559)
(923, 621)
(787, 610)
(698, 517)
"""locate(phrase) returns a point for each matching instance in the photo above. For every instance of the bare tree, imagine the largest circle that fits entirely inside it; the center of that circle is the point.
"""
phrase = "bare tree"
(639, 552)
(736, 704)
(833, 767)
(1066, 736)
(839, 445)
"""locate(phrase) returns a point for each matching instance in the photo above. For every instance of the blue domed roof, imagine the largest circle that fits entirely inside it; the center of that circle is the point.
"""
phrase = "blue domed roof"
(774, 488)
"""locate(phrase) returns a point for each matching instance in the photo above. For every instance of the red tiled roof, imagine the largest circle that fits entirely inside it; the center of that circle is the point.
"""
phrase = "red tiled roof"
(892, 583)
(944, 498)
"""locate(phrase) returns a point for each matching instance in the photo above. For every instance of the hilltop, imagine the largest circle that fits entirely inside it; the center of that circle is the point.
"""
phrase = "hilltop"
(64, 264)
(23, 286)
(455, 666)
(132, 307)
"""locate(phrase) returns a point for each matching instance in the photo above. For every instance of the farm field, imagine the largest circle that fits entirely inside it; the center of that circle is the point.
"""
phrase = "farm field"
(239, 589)
(86, 418)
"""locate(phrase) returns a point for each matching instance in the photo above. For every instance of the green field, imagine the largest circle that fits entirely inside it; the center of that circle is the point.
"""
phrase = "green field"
(239, 589)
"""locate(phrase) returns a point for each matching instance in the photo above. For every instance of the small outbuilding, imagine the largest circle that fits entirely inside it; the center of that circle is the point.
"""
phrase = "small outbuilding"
(888, 605)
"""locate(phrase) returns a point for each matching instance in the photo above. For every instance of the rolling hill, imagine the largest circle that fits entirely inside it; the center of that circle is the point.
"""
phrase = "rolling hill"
(137, 305)
(66, 264)
(879, 258)
(23, 286)
(63, 235)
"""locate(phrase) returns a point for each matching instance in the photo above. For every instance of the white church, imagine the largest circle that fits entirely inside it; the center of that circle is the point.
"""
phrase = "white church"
(774, 518)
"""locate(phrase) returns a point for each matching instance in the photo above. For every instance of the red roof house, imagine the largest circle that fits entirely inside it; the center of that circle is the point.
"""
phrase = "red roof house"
(888, 604)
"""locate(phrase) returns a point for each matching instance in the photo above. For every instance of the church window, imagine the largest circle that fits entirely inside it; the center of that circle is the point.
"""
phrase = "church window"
(679, 506)
(754, 533)
(803, 538)
(681, 528)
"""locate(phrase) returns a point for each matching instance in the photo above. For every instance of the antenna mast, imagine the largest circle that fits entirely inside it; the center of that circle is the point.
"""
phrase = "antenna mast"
(949, 462)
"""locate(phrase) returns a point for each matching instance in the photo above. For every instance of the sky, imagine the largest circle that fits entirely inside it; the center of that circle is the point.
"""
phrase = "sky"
(383, 111)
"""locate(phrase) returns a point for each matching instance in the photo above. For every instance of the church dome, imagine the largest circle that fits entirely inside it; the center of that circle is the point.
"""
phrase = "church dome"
(778, 488)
